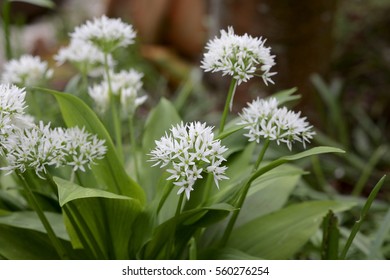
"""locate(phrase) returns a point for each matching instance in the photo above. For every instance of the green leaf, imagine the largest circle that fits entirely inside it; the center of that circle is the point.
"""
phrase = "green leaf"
(331, 237)
(281, 234)
(269, 192)
(100, 221)
(160, 120)
(41, 3)
(25, 244)
(185, 224)
(109, 169)
(282, 160)
(22, 236)
(29, 220)
(363, 214)
(285, 96)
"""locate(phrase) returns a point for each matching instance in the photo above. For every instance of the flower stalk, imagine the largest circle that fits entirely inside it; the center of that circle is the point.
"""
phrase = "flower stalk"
(46, 224)
(228, 105)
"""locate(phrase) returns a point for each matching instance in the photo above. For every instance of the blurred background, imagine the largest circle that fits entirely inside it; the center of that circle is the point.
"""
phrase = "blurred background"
(335, 52)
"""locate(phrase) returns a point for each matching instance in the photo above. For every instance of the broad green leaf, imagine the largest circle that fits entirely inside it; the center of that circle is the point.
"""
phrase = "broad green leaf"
(285, 159)
(29, 220)
(109, 169)
(25, 244)
(159, 121)
(282, 233)
(10, 202)
(42, 3)
(269, 192)
(185, 224)
(100, 221)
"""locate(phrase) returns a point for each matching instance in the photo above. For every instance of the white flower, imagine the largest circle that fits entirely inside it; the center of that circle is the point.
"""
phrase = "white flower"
(28, 70)
(105, 33)
(85, 56)
(241, 57)
(39, 147)
(12, 117)
(126, 85)
(100, 95)
(190, 149)
(82, 148)
(265, 120)
(35, 148)
(12, 99)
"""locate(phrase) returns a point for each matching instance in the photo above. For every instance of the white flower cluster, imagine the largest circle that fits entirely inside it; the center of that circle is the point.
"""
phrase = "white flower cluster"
(28, 70)
(26, 145)
(41, 146)
(265, 120)
(12, 116)
(192, 150)
(238, 56)
(125, 84)
(85, 56)
(105, 33)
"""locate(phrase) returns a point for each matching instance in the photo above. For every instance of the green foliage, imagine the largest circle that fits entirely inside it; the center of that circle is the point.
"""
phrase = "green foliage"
(125, 208)
(109, 170)
(279, 235)
(100, 222)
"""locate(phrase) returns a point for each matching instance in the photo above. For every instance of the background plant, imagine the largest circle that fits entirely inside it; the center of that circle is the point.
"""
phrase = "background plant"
(125, 208)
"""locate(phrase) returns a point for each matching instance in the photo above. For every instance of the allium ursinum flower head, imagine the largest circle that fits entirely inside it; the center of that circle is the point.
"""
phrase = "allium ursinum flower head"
(85, 56)
(126, 85)
(12, 100)
(12, 117)
(265, 120)
(39, 147)
(190, 150)
(35, 148)
(241, 57)
(28, 70)
(82, 148)
(105, 33)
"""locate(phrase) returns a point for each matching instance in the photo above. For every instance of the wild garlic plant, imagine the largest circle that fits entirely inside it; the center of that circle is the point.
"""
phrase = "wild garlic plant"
(116, 203)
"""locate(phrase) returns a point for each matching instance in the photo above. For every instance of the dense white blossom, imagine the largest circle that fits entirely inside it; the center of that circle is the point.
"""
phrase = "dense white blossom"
(125, 84)
(12, 117)
(105, 33)
(12, 99)
(241, 57)
(82, 148)
(85, 56)
(28, 70)
(41, 146)
(265, 120)
(188, 151)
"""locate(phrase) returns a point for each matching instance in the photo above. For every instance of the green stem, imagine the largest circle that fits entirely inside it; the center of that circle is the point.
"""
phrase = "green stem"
(227, 108)
(241, 200)
(166, 191)
(52, 184)
(114, 111)
(6, 11)
(207, 189)
(363, 214)
(175, 219)
(50, 232)
(133, 147)
(261, 155)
